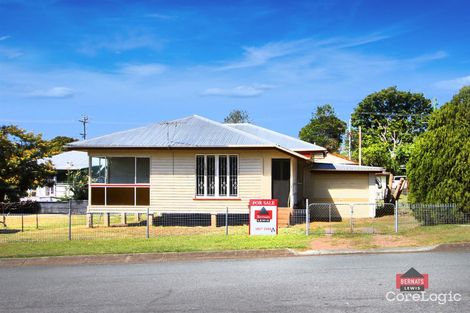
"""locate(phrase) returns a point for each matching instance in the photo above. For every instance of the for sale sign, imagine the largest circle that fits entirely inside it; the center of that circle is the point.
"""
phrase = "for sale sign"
(263, 217)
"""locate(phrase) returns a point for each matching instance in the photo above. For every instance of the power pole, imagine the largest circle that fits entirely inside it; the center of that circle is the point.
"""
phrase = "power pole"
(360, 145)
(349, 137)
(84, 121)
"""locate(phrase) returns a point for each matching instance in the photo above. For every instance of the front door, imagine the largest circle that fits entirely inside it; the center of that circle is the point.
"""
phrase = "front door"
(280, 176)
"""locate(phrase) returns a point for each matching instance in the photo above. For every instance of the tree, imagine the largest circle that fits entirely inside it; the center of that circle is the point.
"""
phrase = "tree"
(390, 120)
(78, 182)
(58, 143)
(324, 129)
(20, 170)
(237, 117)
(438, 169)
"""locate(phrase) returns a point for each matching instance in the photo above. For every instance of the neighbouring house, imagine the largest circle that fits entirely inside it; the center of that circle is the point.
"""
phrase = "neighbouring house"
(58, 186)
(196, 165)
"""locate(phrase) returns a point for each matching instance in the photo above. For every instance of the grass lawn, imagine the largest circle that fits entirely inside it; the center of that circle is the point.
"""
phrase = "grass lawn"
(152, 245)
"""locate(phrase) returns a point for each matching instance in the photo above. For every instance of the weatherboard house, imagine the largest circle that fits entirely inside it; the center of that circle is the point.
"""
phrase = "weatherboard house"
(197, 165)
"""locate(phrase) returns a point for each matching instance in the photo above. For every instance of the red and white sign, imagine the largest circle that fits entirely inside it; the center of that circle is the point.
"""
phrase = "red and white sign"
(263, 217)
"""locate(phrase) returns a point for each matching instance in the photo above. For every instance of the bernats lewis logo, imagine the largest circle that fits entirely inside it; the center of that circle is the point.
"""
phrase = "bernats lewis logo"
(412, 281)
(263, 215)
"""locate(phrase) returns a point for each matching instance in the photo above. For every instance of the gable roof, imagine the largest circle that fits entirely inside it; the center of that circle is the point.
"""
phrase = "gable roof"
(280, 139)
(189, 132)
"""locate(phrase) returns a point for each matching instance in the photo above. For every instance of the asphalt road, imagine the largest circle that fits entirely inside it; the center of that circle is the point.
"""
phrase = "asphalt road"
(353, 283)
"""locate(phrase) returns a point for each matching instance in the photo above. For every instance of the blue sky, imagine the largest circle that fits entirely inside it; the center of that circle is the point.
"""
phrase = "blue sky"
(130, 63)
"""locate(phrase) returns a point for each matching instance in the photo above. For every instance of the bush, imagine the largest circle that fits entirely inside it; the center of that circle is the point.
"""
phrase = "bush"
(438, 166)
(430, 215)
(22, 207)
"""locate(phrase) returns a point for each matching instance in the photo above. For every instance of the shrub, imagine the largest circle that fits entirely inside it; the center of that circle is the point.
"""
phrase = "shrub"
(25, 207)
(430, 214)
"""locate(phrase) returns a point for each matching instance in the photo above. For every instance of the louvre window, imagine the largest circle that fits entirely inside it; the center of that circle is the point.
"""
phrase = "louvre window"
(200, 169)
(233, 175)
(223, 175)
(210, 175)
(217, 175)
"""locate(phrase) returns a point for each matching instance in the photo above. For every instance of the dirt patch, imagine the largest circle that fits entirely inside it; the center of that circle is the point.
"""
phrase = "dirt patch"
(361, 243)
(388, 241)
(331, 243)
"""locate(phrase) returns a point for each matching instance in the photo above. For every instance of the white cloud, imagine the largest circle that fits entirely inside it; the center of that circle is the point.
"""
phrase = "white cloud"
(120, 43)
(243, 91)
(143, 69)
(54, 92)
(10, 53)
(254, 56)
(428, 57)
(454, 84)
(159, 16)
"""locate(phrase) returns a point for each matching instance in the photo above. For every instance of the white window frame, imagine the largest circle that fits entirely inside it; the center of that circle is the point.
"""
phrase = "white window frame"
(217, 195)
(106, 182)
(107, 185)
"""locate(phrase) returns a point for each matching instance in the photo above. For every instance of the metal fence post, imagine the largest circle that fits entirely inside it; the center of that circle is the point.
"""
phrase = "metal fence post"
(70, 220)
(226, 221)
(147, 233)
(37, 221)
(22, 221)
(351, 219)
(307, 218)
(329, 217)
(396, 217)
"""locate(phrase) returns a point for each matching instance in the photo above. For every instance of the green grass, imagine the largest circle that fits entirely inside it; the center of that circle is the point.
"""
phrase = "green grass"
(50, 239)
(153, 245)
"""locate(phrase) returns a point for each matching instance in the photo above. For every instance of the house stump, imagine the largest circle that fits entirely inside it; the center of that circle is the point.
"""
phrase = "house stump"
(213, 220)
(124, 218)
(107, 219)
(150, 219)
(89, 220)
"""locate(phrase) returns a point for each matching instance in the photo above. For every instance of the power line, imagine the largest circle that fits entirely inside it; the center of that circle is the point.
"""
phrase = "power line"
(84, 121)
(392, 114)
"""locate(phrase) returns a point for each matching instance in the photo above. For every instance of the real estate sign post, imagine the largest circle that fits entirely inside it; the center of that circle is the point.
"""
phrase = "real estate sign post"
(263, 217)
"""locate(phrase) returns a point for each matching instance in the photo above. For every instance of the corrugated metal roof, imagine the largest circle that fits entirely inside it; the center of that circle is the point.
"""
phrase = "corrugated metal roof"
(345, 167)
(192, 131)
(278, 138)
(331, 158)
(70, 160)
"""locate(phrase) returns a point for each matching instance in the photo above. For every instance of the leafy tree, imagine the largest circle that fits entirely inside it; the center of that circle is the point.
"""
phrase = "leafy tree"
(20, 170)
(237, 116)
(324, 129)
(58, 143)
(78, 182)
(438, 169)
(390, 120)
